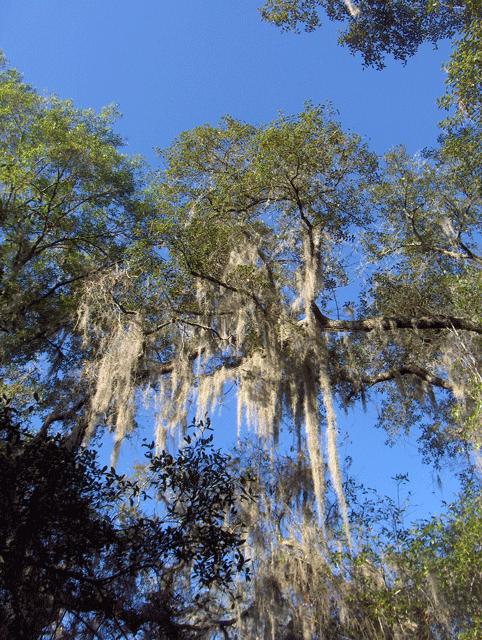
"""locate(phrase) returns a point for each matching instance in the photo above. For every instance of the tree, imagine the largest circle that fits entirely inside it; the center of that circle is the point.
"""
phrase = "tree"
(235, 271)
(260, 225)
(464, 69)
(68, 204)
(462, 100)
(429, 218)
(81, 558)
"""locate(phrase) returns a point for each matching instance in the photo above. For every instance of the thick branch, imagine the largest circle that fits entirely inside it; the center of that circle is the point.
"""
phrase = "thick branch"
(393, 374)
(456, 255)
(59, 416)
(384, 323)
(165, 368)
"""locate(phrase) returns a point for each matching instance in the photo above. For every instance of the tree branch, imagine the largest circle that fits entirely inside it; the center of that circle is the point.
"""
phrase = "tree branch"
(58, 416)
(385, 323)
(393, 374)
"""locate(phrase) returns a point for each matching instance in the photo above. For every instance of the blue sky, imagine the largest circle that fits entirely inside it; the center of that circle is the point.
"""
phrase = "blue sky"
(174, 64)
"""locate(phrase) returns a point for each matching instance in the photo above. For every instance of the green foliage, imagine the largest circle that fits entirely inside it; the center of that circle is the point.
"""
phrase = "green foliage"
(442, 561)
(223, 184)
(424, 251)
(465, 69)
(68, 204)
(375, 28)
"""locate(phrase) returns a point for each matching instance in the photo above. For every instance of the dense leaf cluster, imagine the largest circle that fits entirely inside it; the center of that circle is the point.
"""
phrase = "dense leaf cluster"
(81, 550)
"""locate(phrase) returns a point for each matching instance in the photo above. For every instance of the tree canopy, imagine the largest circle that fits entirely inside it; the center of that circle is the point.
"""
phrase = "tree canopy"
(260, 227)
(376, 28)
(285, 261)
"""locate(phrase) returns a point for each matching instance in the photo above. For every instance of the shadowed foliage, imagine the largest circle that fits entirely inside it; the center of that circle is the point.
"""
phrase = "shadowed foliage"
(84, 555)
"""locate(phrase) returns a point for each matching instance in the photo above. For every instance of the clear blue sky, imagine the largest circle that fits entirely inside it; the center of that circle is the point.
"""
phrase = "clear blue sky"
(173, 64)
